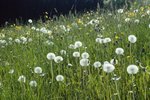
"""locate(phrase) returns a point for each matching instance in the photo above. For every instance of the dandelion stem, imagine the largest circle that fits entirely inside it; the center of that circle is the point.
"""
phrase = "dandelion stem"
(133, 87)
(144, 79)
(130, 53)
(52, 71)
(117, 90)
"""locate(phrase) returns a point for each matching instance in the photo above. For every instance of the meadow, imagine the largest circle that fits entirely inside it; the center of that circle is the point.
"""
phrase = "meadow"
(90, 56)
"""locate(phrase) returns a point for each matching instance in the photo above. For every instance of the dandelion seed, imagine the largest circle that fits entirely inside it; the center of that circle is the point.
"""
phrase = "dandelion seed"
(132, 69)
(108, 68)
(84, 62)
(58, 59)
(50, 56)
(119, 51)
(97, 64)
(149, 25)
(85, 55)
(38, 70)
(22, 78)
(59, 78)
(33, 83)
(132, 38)
(76, 54)
(78, 44)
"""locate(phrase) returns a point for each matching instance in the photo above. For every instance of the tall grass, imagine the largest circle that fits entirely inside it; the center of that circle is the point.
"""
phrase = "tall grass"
(21, 56)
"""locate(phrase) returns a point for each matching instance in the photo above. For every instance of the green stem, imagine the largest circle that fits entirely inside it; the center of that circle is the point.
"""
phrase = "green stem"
(117, 90)
(130, 53)
(52, 74)
(144, 86)
(133, 87)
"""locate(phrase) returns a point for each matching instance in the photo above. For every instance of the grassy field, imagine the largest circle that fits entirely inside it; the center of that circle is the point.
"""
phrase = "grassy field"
(92, 56)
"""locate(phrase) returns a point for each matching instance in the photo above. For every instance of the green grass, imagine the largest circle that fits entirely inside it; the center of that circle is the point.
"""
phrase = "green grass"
(80, 83)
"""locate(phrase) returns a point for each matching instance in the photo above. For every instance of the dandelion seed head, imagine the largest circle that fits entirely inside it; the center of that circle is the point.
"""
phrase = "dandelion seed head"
(76, 54)
(58, 59)
(22, 78)
(85, 55)
(132, 69)
(132, 38)
(119, 51)
(127, 20)
(38, 70)
(17, 41)
(97, 64)
(114, 61)
(84, 62)
(11, 71)
(33, 83)
(50, 56)
(63, 52)
(30, 21)
(120, 11)
(108, 68)
(59, 78)
(78, 44)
